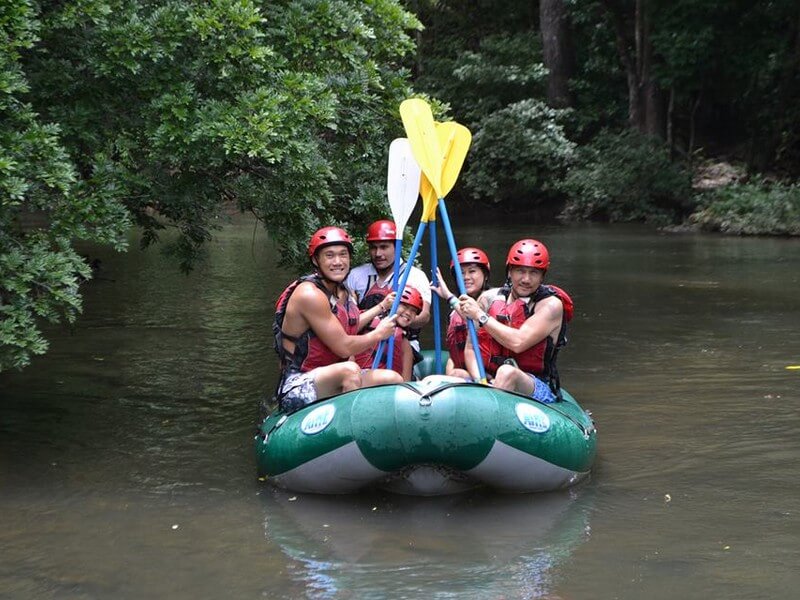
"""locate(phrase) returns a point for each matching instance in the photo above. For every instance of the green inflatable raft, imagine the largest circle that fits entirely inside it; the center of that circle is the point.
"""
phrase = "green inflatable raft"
(436, 436)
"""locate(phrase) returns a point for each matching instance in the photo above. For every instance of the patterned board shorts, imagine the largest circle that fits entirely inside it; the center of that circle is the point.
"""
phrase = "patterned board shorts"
(298, 390)
(542, 391)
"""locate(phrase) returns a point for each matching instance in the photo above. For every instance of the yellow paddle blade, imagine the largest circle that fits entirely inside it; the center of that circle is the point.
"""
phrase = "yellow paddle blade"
(454, 141)
(429, 199)
(421, 132)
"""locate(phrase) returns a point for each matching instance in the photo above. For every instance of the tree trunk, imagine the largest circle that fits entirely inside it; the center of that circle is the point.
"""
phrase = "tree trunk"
(650, 96)
(670, 117)
(645, 98)
(418, 44)
(557, 51)
(624, 45)
(693, 124)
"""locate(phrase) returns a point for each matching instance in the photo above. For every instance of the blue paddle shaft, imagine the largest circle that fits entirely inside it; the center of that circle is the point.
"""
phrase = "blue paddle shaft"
(451, 242)
(411, 256)
(398, 248)
(437, 331)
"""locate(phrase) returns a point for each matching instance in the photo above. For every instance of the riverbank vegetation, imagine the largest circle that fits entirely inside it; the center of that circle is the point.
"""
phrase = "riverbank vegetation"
(162, 114)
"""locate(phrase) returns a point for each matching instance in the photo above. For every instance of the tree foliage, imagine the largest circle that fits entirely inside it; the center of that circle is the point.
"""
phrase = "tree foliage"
(627, 176)
(701, 77)
(487, 65)
(46, 207)
(283, 108)
(520, 153)
(165, 112)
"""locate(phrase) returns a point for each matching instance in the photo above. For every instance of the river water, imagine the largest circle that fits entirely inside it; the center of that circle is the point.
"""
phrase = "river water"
(127, 467)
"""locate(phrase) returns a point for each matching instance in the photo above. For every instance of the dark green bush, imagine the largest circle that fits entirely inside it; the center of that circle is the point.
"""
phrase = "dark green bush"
(627, 177)
(753, 208)
(520, 152)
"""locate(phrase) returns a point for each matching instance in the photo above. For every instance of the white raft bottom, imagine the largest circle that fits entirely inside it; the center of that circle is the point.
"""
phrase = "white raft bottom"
(345, 471)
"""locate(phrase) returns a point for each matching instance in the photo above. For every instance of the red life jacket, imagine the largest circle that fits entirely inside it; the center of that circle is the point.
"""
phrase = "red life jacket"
(456, 339)
(309, 351)
(539, 359)
(374, 296)
(375, 293)
(367, 357)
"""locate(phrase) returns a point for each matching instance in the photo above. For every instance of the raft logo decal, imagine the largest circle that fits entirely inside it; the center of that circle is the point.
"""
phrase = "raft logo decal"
(533, 418)
(318, 419)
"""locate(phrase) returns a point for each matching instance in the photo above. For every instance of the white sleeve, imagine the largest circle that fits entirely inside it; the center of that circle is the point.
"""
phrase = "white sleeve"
(357, 280)
(350, 283)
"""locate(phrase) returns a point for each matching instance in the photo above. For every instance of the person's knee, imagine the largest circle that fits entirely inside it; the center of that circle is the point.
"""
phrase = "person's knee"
(504, 377)
(505, 372)
(351, 375)
(394, 377)
(459, 373)
(507, 377)
(384, 376)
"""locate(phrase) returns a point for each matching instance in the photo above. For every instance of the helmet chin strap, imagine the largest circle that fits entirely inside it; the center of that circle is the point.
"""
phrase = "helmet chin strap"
(337, 285)
(325, 280)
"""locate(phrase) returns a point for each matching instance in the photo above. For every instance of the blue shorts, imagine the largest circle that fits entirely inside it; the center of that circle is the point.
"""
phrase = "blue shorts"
(541, 391)
(298, 390)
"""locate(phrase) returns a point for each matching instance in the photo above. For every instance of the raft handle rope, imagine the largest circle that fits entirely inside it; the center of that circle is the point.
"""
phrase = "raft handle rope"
(586, 431)
(445, 386)
(278, 423)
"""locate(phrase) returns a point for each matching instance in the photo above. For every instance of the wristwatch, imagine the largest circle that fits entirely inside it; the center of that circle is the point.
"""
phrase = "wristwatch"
(483, 318)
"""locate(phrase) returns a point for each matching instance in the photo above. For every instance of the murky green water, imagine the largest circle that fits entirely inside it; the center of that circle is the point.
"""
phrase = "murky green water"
(127, 470)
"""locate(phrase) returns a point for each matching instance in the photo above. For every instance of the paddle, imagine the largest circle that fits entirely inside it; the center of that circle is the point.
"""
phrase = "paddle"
(437, 329)
(441, 170)
(429, 199)
(402, 183)
(452, 158)
(455, 140)
(421, 131)
(402, 188)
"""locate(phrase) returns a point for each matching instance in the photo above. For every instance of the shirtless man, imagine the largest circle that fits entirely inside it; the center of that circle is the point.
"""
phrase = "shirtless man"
(316, 329)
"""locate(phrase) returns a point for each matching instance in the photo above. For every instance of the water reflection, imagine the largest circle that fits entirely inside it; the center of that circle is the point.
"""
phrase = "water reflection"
(477, 545)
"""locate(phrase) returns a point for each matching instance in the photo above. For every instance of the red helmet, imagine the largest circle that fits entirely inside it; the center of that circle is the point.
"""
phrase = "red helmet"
(382, 231)
(528, 253)
(472, 256)
(328, 236)
(412, 297)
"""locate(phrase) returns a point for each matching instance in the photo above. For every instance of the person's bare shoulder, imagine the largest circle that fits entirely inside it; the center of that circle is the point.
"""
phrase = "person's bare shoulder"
(551, 307)
(309, 296)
